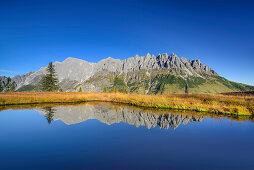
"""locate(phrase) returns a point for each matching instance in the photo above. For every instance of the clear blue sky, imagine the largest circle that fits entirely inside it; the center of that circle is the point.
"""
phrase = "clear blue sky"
(219, 33)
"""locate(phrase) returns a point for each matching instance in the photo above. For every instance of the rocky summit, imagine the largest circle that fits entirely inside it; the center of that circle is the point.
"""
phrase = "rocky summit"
(149, 74)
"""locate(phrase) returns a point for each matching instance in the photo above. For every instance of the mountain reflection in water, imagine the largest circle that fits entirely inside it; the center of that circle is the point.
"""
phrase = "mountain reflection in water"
(110, 114)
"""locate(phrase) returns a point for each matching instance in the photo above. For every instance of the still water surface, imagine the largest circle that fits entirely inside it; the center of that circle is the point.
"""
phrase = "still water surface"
(109, 136)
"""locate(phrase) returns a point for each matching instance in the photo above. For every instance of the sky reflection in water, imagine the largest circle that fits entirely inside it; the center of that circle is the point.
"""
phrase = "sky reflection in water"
(105, 136)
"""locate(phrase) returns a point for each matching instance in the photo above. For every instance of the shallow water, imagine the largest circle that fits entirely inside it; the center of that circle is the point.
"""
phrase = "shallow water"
(110, 136)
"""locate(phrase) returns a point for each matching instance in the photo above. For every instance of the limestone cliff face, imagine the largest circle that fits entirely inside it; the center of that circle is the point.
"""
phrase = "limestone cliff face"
(167, 62)
(110, 114)
(147, 74)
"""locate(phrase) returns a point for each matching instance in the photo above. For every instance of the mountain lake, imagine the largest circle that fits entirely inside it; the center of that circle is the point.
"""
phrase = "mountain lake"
(112, 136)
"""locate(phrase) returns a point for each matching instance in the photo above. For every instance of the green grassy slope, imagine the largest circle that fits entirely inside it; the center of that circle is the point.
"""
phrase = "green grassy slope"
(28, 88)
(174, 84)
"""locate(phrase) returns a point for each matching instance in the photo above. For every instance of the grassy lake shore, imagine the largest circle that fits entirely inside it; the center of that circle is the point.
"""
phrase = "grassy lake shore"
(211, 103)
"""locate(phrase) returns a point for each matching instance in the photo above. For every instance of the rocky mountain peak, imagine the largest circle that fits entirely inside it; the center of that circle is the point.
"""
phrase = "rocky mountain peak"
(70, 59)
(148, 55)
(136, 56)
(184, 60)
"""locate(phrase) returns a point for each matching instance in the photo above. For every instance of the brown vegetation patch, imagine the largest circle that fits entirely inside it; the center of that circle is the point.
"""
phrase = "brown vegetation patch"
(213, 103)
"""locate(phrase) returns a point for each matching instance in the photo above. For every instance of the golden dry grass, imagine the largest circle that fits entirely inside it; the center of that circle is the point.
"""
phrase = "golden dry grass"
(120, 106)
(213, 103)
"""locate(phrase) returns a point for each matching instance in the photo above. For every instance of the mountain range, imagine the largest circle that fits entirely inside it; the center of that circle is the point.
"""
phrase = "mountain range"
(149, 74)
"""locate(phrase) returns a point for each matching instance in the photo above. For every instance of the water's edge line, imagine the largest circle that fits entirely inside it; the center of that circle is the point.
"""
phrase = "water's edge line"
(136, 105)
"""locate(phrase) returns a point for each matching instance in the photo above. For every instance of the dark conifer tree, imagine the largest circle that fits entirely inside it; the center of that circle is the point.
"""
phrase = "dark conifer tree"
(49, 115)
(80, 89)
(50, 81)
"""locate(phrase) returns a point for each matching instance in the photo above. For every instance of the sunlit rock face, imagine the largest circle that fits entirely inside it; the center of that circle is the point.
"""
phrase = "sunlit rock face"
(110, 114)
(149, 74)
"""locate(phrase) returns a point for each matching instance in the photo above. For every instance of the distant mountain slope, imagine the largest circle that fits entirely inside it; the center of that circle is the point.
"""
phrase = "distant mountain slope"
(147, 74)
